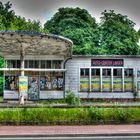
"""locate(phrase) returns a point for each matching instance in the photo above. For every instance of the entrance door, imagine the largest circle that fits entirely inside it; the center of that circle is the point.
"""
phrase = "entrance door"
(33, 91)
(106, 80)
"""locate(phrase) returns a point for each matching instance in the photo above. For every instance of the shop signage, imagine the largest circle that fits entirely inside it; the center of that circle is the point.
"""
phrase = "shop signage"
(107, 62)
(23, 84)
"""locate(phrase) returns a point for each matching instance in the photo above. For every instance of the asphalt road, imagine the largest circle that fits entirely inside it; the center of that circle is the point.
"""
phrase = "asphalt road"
(74, 138)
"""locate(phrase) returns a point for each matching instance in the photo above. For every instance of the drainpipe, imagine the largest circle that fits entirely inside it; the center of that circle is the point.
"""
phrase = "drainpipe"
(64, 66)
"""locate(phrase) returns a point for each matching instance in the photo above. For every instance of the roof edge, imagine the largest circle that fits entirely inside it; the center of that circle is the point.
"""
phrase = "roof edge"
(41, 34)
(107, 56)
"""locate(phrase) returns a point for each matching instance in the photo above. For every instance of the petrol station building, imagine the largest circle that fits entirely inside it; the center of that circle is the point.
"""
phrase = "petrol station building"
(51, 69)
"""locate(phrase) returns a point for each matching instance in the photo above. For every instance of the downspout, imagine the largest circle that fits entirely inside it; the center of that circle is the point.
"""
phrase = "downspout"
(64, 66)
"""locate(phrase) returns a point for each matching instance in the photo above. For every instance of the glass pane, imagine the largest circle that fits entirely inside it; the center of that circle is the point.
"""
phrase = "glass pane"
(84, 79)
(26, 64)
(42, 63)
(95, 79)
(117, 79)
(31, 64)
(128, 80)
(56, 64)
(106, 80)
(36, 64)
(48, 64)
(13, 64)
(18, 63)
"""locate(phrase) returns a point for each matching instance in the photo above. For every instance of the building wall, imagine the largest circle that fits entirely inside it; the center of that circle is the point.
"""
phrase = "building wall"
(73, 76)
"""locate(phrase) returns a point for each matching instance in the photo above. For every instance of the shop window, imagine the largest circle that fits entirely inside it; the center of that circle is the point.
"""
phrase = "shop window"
(48, 64)
(36, 64)
(106, 72)
(12, 64)
(95, 79)
(117, 79)
(26, 64)
(128, 80)
(128, 72)
(42, 63)
(31, 64)
(56, 64)
(84, 79)
(106, 80)
(18, 63)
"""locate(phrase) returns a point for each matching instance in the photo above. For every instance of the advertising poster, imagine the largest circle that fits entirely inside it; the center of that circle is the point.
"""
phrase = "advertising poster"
(138, 73)
(138, 85)
(23, 85)
(11, 87)
(33, 91)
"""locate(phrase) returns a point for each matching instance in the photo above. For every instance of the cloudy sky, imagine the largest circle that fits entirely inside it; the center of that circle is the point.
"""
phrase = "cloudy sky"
(43, 10)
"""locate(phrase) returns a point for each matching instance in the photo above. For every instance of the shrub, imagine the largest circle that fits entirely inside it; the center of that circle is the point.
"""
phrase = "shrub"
(71, 99)
(95, 114)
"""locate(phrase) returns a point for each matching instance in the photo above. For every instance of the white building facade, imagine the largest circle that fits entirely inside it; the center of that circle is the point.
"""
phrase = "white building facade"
(51, 69)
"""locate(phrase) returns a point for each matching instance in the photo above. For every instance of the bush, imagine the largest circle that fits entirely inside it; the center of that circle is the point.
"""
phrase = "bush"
(71, 99)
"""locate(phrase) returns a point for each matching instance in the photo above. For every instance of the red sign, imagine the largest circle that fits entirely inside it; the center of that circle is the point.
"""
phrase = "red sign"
(107, 62)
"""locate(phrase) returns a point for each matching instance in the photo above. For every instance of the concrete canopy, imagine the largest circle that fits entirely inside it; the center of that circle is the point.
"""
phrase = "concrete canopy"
(33, 43)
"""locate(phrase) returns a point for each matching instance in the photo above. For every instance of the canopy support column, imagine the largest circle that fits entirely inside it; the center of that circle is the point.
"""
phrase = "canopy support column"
(22, 57)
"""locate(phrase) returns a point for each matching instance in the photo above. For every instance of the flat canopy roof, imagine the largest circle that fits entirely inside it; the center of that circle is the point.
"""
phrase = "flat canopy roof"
(33, 43)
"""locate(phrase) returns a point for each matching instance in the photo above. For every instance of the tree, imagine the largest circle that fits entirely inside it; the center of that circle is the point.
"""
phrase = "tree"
(117, 34)
(78, 25)
(6, 15)
(20, 23)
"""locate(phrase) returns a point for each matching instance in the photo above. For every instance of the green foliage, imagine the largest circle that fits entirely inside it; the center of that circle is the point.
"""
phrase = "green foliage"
(69, 18)
(9, 21)
(95, 114)
(139, 33)
(117, 34)
(114, 35)
(78, 25)
(20, 23)
(71, 99)
(6, 16)
(1, 75)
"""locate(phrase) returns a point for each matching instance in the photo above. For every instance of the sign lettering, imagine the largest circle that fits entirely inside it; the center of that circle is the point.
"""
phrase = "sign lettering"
(107, 62)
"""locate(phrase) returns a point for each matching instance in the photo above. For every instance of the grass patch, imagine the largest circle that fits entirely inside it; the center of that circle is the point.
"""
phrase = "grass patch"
(71, 116)
(1, 98)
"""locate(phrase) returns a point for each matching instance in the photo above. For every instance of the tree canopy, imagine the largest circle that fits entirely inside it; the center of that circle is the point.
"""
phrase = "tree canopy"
(76, 24)
(10, 21)
(115, 34)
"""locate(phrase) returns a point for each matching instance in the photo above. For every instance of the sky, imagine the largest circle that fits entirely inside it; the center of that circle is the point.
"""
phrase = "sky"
(43, 10)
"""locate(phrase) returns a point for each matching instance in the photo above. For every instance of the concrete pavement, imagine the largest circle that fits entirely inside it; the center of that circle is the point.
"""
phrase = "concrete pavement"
(88, 130)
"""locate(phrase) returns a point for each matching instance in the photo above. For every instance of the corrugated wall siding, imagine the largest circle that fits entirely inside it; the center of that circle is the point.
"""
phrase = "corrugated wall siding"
(72, 79)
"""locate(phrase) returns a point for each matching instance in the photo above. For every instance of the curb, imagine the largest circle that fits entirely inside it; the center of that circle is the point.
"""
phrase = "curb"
(71, 135)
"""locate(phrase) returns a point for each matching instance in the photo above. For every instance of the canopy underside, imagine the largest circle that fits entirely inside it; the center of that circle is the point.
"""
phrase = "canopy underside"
(11, 43)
